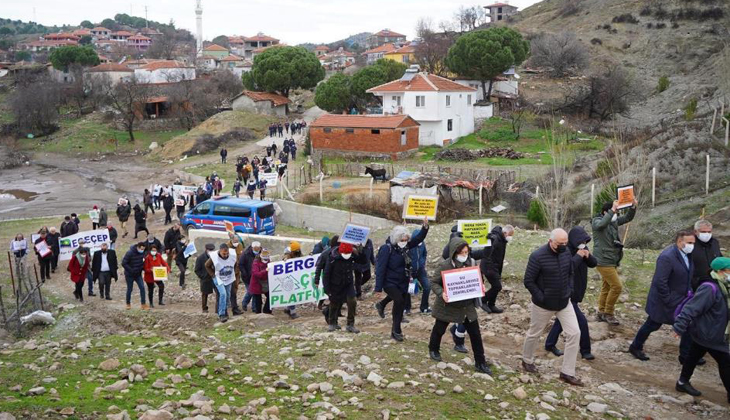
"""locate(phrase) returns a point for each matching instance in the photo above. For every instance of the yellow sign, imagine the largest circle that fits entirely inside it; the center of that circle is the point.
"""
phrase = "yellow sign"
(420, 206)
(159, 273)
(625, 196)
(475, 232)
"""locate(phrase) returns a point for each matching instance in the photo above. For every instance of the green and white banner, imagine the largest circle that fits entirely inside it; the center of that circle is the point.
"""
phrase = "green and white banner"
(291, 282)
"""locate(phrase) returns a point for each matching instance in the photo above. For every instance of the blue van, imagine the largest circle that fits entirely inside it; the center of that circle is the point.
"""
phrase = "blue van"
(247, 216)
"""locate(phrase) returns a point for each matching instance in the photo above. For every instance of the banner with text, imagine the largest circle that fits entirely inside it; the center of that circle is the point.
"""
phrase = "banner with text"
(355, 235)
(291, 282)
(93, 239)
(475, 232)
(418, 206)
(271, 178)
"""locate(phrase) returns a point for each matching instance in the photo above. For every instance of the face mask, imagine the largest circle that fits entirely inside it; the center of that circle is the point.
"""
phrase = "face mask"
(265, 260)
(462, 258)
(508, 238)
(582, 246)
(153, 253)
(705, 237)
(560, 249)
(141, 251)
(346, 256)
(688, 248)
(402, 244)
(615, 217)
(255, 252)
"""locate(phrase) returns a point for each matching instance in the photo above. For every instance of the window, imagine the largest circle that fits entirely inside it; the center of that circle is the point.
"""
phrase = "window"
(374, 131)
(420, 101)
(468, 99)
(202, 208)
(397, 100)
(499, 17)
(403, 138)
(222, 210)
(499, 10)
(349, 130)
(448, 100)
(449, 125)
(265, 211)
(327, 130)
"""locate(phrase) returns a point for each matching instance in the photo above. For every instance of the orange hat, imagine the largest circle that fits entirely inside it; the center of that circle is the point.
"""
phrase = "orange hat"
(295, 246)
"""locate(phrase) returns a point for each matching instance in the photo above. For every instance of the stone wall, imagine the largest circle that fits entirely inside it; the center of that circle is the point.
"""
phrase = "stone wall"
(325, 219)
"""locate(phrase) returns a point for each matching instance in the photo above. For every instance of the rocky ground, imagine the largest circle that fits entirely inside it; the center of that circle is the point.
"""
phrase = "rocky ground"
(102, 361)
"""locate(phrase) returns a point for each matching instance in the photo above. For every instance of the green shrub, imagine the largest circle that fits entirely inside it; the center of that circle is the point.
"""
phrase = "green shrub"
(690, 110)
(604, 169)
(663, 84)
(607, 194)
(307, 146)
(537, 214)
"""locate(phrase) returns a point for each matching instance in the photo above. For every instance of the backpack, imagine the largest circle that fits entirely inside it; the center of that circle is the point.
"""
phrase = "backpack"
(690, 295)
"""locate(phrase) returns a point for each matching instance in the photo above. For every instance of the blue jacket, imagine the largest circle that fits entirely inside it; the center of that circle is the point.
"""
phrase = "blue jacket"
(133, 262)
(672, 279)
(369, 259)
(706, 318)
(418, 257)
(390, 265)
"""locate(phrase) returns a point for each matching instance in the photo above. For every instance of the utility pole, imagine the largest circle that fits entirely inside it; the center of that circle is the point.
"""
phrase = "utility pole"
(146, 22)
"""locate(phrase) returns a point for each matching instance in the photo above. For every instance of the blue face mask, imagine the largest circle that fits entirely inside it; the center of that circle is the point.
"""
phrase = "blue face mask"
(255, 252)
(140, 251)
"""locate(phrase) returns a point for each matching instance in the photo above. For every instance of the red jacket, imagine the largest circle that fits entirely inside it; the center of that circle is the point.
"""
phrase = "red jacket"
(149, 262)
(259, 278)
(78, 273)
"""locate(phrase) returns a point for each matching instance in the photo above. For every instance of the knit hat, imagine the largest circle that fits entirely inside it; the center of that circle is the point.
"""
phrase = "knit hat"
(209, 247)
(720, 263)
(325, 240)
(95, 207)
(265, 254)
(295, 246)
(345, 248)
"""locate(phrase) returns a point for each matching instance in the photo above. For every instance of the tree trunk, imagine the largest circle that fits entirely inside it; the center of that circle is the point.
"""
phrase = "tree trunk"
(484, 91)
(489, 93)
(130, 126)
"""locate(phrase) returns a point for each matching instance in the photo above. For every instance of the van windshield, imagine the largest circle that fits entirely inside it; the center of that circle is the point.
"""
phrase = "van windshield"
(231, 211)
(265, 211)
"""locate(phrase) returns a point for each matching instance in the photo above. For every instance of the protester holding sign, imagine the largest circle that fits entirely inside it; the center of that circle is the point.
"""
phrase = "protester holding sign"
(446, 311)
(338, 279)
(53, 240)
(45, 254)
(549, 279)
(19, 246)
(94, 216)
(152, 260)
(181, 259)
(221, 267)
(78, 267)
(180, 203)
(260, 283)
(236, 245)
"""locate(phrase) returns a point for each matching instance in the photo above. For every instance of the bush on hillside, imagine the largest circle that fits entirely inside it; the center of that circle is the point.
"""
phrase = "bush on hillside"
(625, 18)
(690, 110)
(537, 214)
(663, 84)
(607, 195)
(562, 53)
(596, 41)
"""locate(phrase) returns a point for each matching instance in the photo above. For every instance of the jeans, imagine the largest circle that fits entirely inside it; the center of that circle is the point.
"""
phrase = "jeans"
(475, 336)
(224, 292)
(695, 353)
(585, 338)
(182, 268)
(399, 303)
(256, 303)
(685, 342)
(90, 280)
(495, 281)
(233, 296)
(246, 299)
(335, 306)
(422, 278)
(105, 283)
(131, 280)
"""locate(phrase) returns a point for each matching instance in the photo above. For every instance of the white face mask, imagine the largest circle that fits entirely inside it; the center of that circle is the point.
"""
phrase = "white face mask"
(582, 246)
(462, 258)
(153, 253)
(346, 256)
(704, 236)
(688, 248)
(727, 276)
(403, 244)
(615, 217)
(508, 238)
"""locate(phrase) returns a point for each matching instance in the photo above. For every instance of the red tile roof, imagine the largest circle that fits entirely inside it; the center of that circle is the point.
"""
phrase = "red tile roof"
(81, 32)
(322, 48)
(277, 100)
(60, 36)
(260, 38)
(122, 33)
(406, 49)
(163, 64)
(139, 38)
(100, 29)
(235, 40)
(422, 82)
(215, 47)
(364, 121)
(385, 48)
(232, 57)
(388, 33)
(110, 67)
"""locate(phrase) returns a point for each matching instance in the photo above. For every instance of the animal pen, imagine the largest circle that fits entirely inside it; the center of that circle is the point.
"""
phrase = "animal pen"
(26, 293)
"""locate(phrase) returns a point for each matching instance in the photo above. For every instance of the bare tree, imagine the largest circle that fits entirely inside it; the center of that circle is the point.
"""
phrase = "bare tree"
(128, 98)
(431, 51)
(605, 94)
(561, 53)
(555, 198)
(164, 46)
(470, 18)
(35, 106)
(97, 85)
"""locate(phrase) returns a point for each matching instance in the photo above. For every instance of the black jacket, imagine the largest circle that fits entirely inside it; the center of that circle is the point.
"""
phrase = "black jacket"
(111, 259)
(168, 203)
(123, 212)
(478, 254)
(549, 278)
(702, 256)
(338, 277)
(133, 262)
(706, 318)
(368, 257)
(148, 246)
(103, 218)
(172, 237)
(52, 241)
(495, 261)
(140, 217)
(69, 228)
(578, 236)
(112, 234)
(180, 257)
(244, 265)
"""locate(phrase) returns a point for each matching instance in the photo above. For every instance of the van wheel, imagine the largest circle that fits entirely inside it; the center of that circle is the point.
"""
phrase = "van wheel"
(188, 228)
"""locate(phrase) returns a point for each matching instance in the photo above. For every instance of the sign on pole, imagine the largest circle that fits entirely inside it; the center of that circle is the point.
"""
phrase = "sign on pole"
(92, 238)
(462, 284)
(355, 235)
(420, 206)
(475, 232)
(291, 282)
(625, 196)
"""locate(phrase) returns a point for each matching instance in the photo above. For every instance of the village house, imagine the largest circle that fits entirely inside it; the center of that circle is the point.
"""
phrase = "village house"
(386, 36)
(375, 54)
(321, 50)
(120, 36)
(337, 60)
(61, 36)
(237, 45)
(261, 103)
(81, 32)
(150, 32)
(164, 71)
(405, 54)
(380, 136)
(139, 42)
(115, 72)
(500, 11)
(101, 32)
(443, 108)
(215, 50)
(256, 43)
(46, 45)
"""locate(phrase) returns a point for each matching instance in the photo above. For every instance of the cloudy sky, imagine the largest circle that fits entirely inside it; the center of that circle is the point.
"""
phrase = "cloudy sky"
(292, 21)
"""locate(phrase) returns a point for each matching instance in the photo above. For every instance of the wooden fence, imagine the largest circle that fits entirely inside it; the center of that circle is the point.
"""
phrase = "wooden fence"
(26, 297)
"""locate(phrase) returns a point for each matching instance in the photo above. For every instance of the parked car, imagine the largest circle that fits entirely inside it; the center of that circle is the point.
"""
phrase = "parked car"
(247, 216)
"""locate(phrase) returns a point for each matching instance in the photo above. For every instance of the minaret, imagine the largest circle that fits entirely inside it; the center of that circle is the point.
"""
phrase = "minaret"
(199, 21)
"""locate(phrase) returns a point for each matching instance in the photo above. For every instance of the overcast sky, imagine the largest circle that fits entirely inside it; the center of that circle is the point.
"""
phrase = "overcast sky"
(292, 21)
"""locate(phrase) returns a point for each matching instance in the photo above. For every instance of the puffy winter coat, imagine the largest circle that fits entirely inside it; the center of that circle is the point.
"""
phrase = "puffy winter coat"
(390, 265)
(578, 236)
(549, 278)
(338, 277)
(78, 272)
(133, 262)
(706, 317)
(123, 212)
(455, 312)
(150, 262)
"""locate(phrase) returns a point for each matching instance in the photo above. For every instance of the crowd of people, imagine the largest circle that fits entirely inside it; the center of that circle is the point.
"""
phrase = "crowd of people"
(689, 289)
(287, 128)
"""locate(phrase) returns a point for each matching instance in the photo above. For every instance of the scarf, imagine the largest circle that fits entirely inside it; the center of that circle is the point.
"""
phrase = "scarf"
(722, 283)
(81, 258)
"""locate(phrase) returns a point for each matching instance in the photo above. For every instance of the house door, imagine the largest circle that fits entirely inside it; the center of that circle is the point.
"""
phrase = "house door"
(403, 138)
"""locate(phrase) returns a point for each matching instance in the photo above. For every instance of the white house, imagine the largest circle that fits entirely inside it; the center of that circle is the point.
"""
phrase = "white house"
(164, 71)
(115, 72)
(507, 84)
(444, 109)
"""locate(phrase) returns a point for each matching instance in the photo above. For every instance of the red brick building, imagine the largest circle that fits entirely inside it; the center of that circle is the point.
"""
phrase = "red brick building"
(381, 136)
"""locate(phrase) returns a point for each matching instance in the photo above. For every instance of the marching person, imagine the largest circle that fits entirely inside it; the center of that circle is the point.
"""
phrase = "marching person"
(419, 256)
(460, 312)
(140, 221)
(133, 264)
(68, 227)
(493, 264)
(245, 265)
(338, 280)
(151, 240)
(362, 269)
(206, 280)
(180, 206)
(670, 285)
(221, 267)
(172, 237)
(705, 317)
(157, 196)
(181, 260)
(151, 260)
(706, 250)
(237, 188)
(19, 246)
(44, 261)
(578, 240)
(392, 272)
(260, 283)
(113, 235)
(608, 252)
(251, 188)
(95, 219)
(236, 244)
(53, 240)
(104, 269)
(224, 155)
(103, 218)
(320, 246)
(549, 279)
(168, 203)
(78, 266)
(123, 213)
(148, 202)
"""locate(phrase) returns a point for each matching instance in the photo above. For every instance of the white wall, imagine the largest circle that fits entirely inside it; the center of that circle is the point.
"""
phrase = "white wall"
(483, 112)
(165, 75)
(510, 87)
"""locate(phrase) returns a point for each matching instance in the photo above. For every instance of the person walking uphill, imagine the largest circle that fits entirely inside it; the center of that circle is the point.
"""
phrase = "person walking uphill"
(151, 260)
(578, 240)
(392, 272)
(245, 265)
(104, 269)
(549, 279)
(705, 317)
(168, 203)
(608, 252)
(181, 261)
(460, 312)
(44, 261)
(706, 250)
(133, 264)
(206, 281)
(338, 280)
(670, 285)
(123, 213)
(78, 266)
(419, 256)
(140, 221)
(493, 264)
(222, 268)
(260, 283)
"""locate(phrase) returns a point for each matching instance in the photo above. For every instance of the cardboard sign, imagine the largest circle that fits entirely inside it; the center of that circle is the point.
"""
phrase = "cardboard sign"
(94, 215)
(18, 245)
(93, 239)
(420, 206)
(43, 248)
(34, 237)
(159, 273)
(272, 179)
(462, 284)
(625, 196)
(190, 250)
(180, 202)
(291, 282)
(229, 226)
(122, 202)
(355, 235)
(184, 190)
(475, 232)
